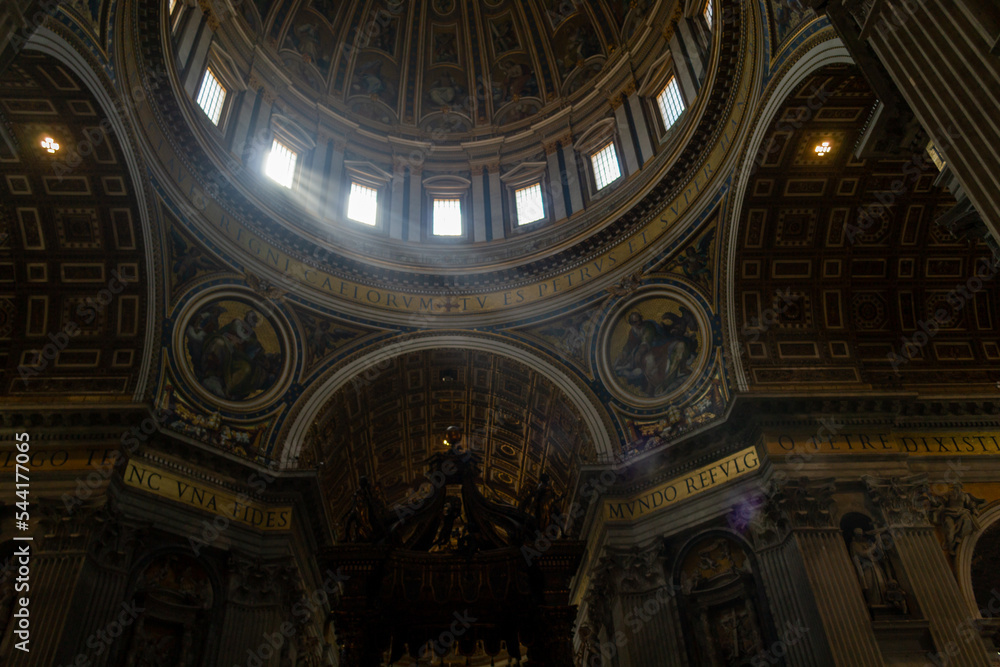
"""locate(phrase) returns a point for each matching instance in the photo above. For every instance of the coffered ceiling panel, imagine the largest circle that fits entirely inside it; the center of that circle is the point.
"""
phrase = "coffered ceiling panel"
(842, 276)
(387, 421)
(73, 279)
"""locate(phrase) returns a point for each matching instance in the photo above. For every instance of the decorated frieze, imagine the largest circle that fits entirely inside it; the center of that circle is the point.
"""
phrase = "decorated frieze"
(682, 487)
(179, 488)
(875, 442)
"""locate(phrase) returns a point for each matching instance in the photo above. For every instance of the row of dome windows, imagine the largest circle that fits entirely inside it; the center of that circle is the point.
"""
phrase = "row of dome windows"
(362, 207)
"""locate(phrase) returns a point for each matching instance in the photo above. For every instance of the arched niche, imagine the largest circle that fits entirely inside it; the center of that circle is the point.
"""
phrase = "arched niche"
(724, 612)
(385, 422)
(177, 601)
(884, 585)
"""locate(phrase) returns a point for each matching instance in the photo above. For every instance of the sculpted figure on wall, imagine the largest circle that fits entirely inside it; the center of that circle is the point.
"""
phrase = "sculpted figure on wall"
(868, 556)
(957, 516)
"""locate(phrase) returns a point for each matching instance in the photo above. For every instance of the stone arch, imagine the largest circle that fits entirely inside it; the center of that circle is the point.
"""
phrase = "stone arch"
(596, 419)
(989, 522)
(827, 52)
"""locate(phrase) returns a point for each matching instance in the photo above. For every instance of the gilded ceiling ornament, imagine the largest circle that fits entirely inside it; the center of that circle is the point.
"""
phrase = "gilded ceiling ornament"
(626, 285)
(264, 288)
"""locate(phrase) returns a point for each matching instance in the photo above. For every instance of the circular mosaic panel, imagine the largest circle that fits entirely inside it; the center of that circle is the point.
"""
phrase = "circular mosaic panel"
(654, 346)
(234, 350)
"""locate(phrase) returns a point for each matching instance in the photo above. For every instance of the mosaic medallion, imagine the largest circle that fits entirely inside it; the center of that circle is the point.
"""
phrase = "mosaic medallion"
(653, 347)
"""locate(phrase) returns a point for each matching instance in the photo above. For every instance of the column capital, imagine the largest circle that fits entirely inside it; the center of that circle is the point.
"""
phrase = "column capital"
(210, 17)
(634, 570)
(905, 502)
(771, 516)
(809, 503)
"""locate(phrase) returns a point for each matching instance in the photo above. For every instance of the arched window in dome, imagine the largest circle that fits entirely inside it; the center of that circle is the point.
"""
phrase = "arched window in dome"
(448, 197)
(290, 144)
(530, 204)
(599, 146)
(367, 184)
(211, 96)
(362, 204)
(280, 164)
(527, 193)
(447, 217)
(607, 168)
(670, 103)
(708, 13)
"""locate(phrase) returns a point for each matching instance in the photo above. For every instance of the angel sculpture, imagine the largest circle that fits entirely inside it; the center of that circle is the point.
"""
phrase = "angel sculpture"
(957, 516)
(695, 260)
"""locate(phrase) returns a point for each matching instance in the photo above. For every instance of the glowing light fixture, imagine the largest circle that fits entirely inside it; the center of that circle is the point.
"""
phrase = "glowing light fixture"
(50, 145)
(823, 148)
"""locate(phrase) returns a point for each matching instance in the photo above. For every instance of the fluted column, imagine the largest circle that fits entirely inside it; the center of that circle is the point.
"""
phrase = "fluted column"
(642, 132)
(99, 599)
(194, 65)
(904, 505)
(240, 117)
(312, 181)
(688, 47)
(937, 592)
(841, 607)
(799, 542)
(478, 205)
(257, 610)
(415, 211)
(496, 201)
(396, 216)
(77, 582)
(259, 133)
(642, 623)
(52, 575)
(793, 605)
(625, 135)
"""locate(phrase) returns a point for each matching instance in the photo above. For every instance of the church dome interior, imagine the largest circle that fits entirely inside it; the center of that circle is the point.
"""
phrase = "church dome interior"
(548, 333)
